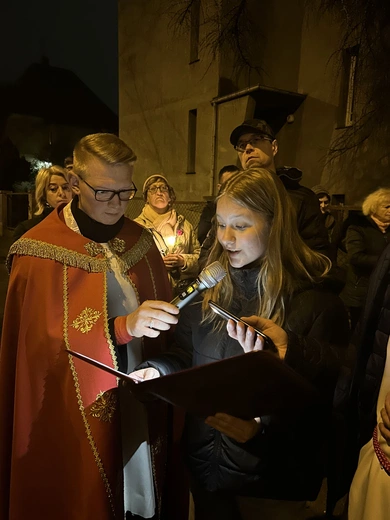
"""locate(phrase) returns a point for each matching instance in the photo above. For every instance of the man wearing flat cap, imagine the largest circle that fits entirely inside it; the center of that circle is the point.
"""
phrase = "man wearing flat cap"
(255, 142)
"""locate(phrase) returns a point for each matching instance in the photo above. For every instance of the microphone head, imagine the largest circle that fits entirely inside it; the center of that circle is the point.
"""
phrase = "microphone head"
(212, 274)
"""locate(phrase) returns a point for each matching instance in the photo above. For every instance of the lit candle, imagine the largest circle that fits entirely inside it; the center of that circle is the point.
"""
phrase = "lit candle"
(170, 241)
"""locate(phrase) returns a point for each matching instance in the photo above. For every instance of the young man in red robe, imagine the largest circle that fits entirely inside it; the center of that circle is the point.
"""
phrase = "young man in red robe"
(74, 444)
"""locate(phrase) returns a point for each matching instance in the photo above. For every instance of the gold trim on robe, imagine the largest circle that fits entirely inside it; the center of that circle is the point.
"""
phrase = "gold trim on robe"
(71, 258)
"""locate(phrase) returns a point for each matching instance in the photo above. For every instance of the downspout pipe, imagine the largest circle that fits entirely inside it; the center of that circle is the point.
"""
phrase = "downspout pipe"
(229, 97)
(215, 102)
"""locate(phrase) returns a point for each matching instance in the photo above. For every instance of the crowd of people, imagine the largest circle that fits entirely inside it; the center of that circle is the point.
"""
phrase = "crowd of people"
(77, 443)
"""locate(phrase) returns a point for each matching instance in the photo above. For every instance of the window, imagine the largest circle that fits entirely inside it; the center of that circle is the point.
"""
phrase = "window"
(191, 153)
(194, 32)
(348, 84)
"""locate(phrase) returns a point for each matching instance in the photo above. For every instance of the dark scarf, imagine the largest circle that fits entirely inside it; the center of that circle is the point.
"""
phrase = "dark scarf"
(92, 229)
(245, 300)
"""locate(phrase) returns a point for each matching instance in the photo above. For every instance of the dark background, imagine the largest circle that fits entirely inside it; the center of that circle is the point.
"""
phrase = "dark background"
(79, 35)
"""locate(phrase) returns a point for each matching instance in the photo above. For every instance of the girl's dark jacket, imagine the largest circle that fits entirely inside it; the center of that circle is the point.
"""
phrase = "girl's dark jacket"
(286, 459)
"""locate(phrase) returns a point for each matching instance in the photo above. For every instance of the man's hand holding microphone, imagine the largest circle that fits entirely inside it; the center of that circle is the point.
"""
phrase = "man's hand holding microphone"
(154, 316)
(151, 317)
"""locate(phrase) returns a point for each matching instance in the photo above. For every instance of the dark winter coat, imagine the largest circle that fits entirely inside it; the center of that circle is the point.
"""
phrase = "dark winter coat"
(370, 341)
(205, 221)
(311, 224)
(364, 243)
(286, 459)
(367, 355)
(26, 225)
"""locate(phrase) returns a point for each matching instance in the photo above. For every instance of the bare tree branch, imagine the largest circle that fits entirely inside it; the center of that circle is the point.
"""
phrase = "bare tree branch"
(228, 26)
(365, 23)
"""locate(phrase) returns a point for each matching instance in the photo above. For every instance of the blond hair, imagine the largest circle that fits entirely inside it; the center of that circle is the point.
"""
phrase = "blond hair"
(42, 182)
(105, 147)
(372, 202)
(287, 263)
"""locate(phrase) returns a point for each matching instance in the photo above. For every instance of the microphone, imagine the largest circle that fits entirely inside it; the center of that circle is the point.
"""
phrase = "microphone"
(207, 278)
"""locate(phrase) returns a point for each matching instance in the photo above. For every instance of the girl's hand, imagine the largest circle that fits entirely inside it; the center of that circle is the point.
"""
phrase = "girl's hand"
(144, 374)
(238, 429)
(250, 341)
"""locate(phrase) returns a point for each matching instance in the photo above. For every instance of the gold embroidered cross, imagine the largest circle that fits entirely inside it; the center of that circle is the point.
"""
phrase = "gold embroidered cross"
(105, 405)
(86, 320)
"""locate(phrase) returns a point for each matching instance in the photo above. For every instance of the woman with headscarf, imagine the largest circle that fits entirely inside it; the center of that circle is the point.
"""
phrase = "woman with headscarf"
(173, 234)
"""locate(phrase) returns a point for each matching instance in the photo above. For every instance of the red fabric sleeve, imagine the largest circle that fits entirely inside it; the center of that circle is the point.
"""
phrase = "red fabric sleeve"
(121, 335)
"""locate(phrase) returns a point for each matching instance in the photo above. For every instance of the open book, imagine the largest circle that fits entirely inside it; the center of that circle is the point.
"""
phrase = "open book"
(249, 385)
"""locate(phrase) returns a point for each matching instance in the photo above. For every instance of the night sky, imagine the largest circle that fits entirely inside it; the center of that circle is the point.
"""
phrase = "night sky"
(79, 35)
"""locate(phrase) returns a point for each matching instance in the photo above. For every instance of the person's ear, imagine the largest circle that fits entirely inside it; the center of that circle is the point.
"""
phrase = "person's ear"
(275, 147)
(74, 183)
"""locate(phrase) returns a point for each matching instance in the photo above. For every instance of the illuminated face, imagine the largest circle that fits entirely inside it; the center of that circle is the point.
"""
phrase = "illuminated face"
(242, 232)
(102, 176)
(383, 211)
(58, 191)
(324, 203)
(158, 196)
(258, 152)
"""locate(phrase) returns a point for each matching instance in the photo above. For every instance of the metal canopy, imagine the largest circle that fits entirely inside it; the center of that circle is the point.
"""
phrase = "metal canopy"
(273, 105)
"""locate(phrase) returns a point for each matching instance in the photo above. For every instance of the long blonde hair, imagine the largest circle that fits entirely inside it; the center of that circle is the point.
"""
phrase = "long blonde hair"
(288, 261)
(42, 182)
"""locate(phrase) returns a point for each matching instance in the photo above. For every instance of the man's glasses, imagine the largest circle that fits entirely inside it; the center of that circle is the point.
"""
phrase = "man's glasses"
(154, 189)
(107, 195)
(255, 142)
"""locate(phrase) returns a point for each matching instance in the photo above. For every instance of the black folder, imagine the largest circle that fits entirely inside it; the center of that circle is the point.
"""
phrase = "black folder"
(246, 386)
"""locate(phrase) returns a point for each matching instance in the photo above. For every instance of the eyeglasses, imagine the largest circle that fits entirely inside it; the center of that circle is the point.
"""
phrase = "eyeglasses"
(255, 141)
(163, 188)
(107, 195)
